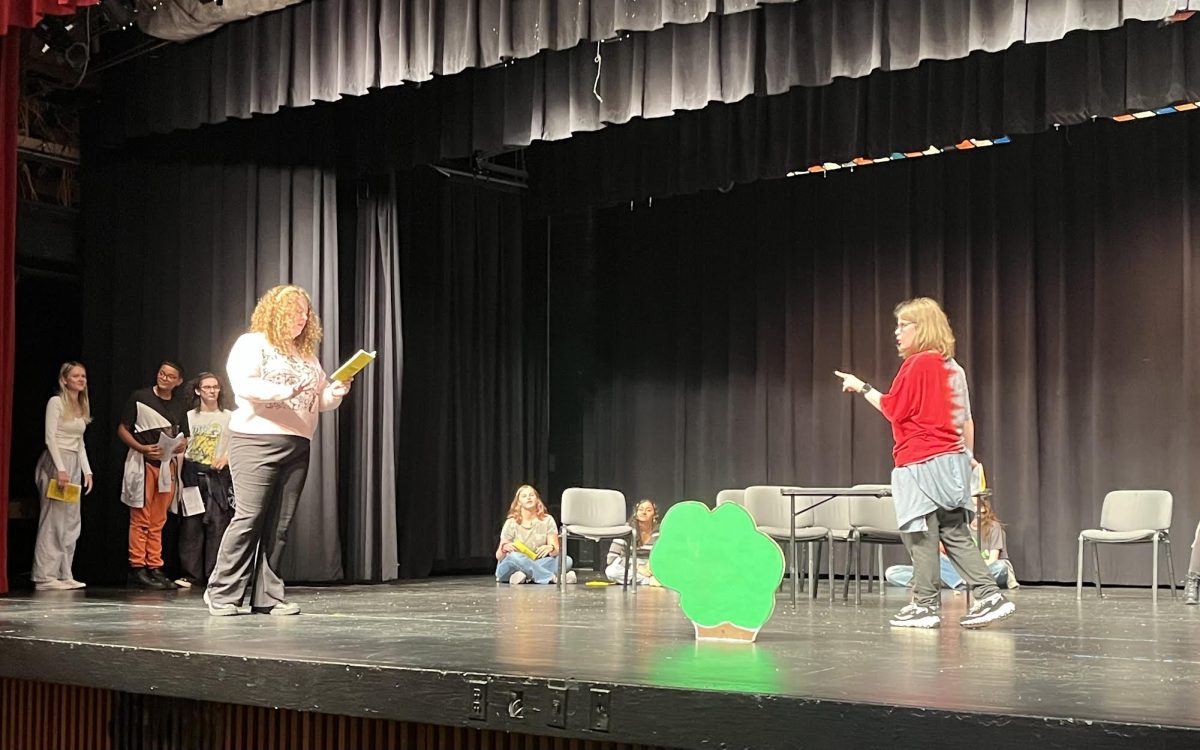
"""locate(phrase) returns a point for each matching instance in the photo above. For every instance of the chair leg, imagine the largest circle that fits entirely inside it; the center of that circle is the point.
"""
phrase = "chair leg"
(871, 569)
(846, 580)
(858, 573)
(1170, 563)
(814, 567)
(1079, 571)
(1096, 561)
(1154, 571)
(562, 560)
(879, 566)
(631, 569)
(832, 564)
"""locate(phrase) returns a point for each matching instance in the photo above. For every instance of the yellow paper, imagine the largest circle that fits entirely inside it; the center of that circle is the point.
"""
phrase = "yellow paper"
(522, 548)
(69, 494)
(351, 367)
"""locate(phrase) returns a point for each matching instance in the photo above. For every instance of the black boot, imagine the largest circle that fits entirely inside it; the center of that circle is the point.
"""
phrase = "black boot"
(1191, 589)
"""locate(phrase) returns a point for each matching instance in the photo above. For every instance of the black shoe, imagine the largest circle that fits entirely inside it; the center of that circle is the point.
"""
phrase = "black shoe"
(162, 580)
(1191, 589)
(140, 578)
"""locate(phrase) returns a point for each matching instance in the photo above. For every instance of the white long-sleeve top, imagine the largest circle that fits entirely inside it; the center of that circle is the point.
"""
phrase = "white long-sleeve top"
(263, 379)
(64, 434)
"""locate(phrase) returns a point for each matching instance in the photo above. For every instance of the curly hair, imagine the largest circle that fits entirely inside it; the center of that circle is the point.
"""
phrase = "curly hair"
(514, 510)
(272, 317)
(633, 519)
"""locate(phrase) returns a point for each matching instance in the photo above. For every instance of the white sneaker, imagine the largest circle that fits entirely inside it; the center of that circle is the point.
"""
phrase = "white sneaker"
(915, 615)
(183, 583)
(220, 610)
(517, 577)
(988, 610)
(52, 586)
(73, 584)
(570, 577)
(282, 609)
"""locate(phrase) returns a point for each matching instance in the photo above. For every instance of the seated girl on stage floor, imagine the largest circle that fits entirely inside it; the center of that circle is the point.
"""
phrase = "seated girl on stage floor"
(645, 520)
(528, 550)
(994, 554)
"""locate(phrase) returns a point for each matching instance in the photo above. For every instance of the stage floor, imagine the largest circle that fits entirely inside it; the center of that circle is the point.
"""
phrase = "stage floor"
(427, 650)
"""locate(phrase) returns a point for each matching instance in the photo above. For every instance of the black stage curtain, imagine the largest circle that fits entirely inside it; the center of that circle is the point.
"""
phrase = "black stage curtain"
(374, 441)
(1026, 89)
(676, 55)
(472, 422)
(1066, 261)
(177, 255)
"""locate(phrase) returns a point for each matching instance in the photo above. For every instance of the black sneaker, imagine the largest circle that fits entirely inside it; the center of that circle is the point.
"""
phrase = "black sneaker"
(987, 610)
(916, 616)
(140, 578)
(162, 580)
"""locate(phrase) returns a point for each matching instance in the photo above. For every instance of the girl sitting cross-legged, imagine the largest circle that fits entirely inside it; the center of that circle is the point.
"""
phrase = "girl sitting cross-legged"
(528, 551)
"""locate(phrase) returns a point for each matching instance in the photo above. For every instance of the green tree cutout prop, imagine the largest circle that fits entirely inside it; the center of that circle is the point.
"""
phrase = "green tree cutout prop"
(725, 570)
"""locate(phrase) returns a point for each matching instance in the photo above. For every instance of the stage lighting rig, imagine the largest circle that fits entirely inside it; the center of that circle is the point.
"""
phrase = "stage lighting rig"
(119, 13)
(54, 34)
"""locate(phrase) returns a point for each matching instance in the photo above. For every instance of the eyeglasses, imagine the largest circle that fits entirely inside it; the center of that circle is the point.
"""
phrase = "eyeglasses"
(904, 324)
(209, 388)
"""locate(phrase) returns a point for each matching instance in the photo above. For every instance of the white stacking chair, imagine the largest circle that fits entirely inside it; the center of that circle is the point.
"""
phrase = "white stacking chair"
(737, 497)
(834, 515)
(770, 510)
(1130, 517)
(596, 514)
(872, 521)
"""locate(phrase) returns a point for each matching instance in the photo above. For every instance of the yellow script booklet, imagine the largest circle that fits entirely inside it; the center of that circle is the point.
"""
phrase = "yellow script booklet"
(67, 494)
(351, 366)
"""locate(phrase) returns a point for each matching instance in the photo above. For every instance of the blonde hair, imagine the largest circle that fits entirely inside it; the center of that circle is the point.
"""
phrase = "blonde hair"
(272, 317)
(933, 332)
(514, 510)
(81, 408)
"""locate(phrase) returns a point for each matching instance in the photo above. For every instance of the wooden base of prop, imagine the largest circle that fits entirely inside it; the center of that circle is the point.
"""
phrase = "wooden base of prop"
(726, 631)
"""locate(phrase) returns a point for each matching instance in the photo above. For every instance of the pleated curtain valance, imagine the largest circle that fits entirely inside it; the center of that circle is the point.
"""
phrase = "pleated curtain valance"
(663, 56)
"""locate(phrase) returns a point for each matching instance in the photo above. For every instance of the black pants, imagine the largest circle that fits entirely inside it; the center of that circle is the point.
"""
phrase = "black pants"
(200, 535)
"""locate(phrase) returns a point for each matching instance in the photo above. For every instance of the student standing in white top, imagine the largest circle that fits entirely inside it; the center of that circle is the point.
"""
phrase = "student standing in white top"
(279, 388)
(65, 460)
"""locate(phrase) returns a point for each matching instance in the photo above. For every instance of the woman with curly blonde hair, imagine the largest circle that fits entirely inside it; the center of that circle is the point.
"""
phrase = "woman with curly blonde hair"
(279, 389)
(528, 548)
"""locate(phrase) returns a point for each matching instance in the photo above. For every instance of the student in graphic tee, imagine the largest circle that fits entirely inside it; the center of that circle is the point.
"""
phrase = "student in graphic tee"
(929, 409)
(205, 468)
(151, 479)
(529, 524)
(645, 520)
(65, 461)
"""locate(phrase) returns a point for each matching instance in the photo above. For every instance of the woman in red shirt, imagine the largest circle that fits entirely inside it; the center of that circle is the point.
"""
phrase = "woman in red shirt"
(929, 409)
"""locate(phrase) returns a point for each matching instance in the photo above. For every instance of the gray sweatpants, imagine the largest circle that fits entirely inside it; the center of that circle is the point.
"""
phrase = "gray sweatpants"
(268, 475)
(953, 530)
(58, 523)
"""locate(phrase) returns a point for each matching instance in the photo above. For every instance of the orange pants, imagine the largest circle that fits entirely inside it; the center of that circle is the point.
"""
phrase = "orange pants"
(146, 523)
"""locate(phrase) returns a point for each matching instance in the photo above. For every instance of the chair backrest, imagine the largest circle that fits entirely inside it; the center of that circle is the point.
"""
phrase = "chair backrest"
(585, 506)
(769, 508)
(737, 497)
(875, 512)
(1133, 510)
(834, 514)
